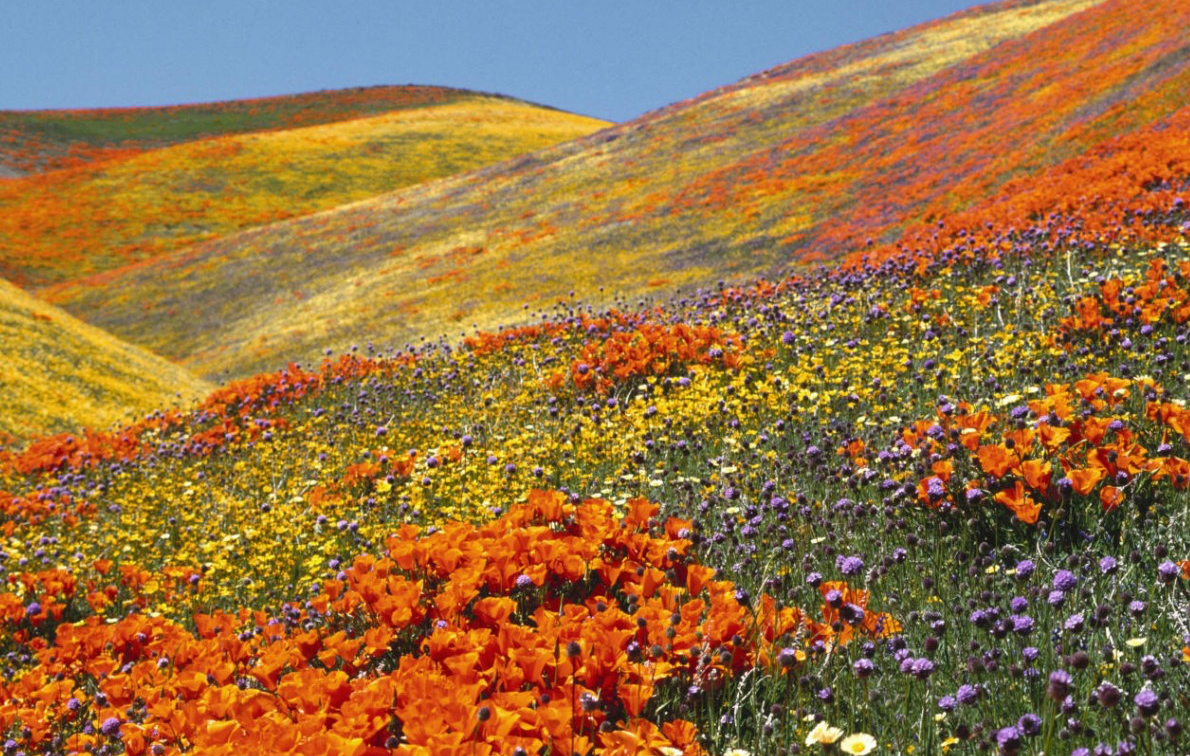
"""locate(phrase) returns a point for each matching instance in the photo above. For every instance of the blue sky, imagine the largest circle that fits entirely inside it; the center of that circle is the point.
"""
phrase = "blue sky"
(614, 59)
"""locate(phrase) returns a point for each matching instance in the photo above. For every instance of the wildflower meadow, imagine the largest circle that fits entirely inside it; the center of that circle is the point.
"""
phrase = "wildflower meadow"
(927, 492)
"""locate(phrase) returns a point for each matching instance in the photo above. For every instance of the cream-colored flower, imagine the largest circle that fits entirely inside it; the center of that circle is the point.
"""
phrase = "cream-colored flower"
(823, 734)
(858, 743)
(736, 752)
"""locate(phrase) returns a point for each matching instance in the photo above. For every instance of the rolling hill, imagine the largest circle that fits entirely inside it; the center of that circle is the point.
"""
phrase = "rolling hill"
(802, 163)
(39, 141)
(84, 220)
(62, 375)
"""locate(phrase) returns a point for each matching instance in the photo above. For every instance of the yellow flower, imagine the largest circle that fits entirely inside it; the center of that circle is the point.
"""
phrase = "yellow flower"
(859, 743)
(823, 734)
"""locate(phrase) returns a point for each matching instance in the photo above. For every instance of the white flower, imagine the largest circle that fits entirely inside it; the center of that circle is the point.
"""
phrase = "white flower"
(858, 743)
(823, 734)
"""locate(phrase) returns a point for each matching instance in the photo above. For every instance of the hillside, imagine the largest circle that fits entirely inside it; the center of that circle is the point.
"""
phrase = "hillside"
(801, 163)
(88, 219)
(929, 496)
(61, 375)
(949, 479)
(39, 141)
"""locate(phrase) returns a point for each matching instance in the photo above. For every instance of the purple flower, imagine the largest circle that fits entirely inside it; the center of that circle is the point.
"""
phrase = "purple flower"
(1168, 571)
(1108, 695)
(1018, 604)
(864, 668)
(1029, 724)
(922, 668)
(1022, 624)
(849, 565)
(1056, 598)
(935, 488)
(1137, 608)
(524, 582)
(787, 657)
(852, 614)
(1060, 685)
(1065, 580)
(1108, 565)
(947, 703)
(967, 694)
(1147, 702)
(1024, 568)
(1074, 623)
(33, 609)
(1008, 740)
(110, 727)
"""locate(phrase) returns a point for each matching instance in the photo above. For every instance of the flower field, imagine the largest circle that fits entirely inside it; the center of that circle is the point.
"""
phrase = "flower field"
(61, 374)
(931, 500)
(48, 140)
(925, 489)
(805, 162)
(88, 219)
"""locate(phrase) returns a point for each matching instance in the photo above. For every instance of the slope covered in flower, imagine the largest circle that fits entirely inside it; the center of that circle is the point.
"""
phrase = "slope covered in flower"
(933, 500)
(80, 221)
(807, 161)
(63, 375)
(39, 141)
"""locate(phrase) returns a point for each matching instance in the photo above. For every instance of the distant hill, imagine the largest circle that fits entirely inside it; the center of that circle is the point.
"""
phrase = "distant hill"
(37, 141)
(802, 163)
(61, 375)
(91, 218)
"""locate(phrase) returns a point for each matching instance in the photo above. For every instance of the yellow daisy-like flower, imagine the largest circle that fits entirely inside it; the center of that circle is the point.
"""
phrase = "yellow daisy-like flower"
(858, 743)
(823, 734)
